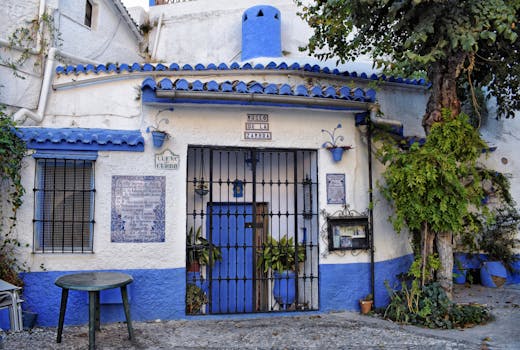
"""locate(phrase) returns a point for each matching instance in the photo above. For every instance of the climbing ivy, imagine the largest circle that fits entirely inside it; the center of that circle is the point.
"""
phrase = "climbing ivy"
(12, 152)
(436, 183)
(25, 38)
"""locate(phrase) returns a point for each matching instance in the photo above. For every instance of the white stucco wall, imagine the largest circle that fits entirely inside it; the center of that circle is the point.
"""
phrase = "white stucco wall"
(113, 104)
(109, 39)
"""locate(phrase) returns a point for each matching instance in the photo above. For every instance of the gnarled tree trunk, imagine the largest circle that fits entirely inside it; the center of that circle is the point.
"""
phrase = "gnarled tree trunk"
(443, 75)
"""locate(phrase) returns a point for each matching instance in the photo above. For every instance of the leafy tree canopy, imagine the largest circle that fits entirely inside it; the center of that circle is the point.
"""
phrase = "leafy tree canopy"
(447, 39)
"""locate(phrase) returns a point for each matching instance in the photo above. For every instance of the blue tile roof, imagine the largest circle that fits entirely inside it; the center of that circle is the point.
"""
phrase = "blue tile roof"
(147, 67)
(82, 139)
(254, 87)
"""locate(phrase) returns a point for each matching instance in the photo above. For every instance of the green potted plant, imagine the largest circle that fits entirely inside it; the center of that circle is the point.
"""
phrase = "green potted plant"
(279, 256)
(200, 251)
(498, 240)
(366, 303)
(195, 299)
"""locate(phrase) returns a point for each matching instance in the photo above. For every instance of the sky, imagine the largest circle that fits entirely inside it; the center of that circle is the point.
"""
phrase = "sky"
(132, 3)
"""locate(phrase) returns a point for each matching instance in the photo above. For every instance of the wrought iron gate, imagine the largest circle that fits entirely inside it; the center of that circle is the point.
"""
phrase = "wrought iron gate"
(252, 230)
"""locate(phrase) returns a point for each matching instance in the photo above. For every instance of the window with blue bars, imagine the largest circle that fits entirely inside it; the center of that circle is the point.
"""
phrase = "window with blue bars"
(64, 206)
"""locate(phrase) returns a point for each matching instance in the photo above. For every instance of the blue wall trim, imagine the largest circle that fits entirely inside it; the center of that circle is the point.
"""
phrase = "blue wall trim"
(343, 285)
(59, 154)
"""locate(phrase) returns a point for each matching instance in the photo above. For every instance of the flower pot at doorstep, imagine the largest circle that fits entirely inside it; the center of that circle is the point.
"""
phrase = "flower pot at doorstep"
(365, 306)
(337, 153)
(158, 138)
(284, 290)
(493, 274)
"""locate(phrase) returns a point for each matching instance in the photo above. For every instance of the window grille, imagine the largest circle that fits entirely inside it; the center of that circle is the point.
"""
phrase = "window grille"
(64, 206)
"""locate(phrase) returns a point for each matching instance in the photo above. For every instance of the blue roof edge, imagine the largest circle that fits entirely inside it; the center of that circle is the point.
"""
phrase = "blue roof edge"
(282, 66)
(80, 139)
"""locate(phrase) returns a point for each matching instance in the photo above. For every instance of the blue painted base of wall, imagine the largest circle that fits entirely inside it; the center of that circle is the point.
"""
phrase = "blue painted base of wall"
(159, 294)
(343, 285)
(155, 294)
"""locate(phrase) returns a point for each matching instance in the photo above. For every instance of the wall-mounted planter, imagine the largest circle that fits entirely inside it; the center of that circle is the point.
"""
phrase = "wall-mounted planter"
(337, 153)
(158, 138)
(332, 145)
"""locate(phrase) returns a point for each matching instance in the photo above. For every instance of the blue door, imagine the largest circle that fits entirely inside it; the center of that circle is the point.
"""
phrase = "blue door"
(232, 278)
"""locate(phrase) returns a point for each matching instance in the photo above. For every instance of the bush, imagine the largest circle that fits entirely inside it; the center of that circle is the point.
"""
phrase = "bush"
(430, 307)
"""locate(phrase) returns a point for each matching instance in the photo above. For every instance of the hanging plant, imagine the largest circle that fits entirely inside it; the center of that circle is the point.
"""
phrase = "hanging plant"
(12, 152)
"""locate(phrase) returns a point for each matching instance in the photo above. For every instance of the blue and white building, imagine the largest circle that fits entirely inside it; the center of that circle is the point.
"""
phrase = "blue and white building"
(243, 112)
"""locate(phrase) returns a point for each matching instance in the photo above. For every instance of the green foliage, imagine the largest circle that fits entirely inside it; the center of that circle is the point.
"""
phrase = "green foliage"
(25, 38)
(413, 34)
(426, 184)
(280, 255)
(12, 151)
(200, 250)
(195, 299)
(430, 307)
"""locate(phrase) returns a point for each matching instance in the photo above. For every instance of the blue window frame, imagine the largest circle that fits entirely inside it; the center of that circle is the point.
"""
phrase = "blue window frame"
(64, 205)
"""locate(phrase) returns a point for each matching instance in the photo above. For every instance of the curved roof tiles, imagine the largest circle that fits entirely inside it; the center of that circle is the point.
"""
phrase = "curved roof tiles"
(254, 87)
(82, 139)
(147, 67)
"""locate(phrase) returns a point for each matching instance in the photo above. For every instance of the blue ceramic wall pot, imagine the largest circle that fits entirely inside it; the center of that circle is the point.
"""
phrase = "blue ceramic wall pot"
(158, 138)
(493, 274)
(284, 290)
(337, 153)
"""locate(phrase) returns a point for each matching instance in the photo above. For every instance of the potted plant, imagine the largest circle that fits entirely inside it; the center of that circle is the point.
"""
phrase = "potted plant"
(158, 136)
(366, 304)
(200, 251)
(498, 240)
(332, 145)
(279, 256)
(195, 299)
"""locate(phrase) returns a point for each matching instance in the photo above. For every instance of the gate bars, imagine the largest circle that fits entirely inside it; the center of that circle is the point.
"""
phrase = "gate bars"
(252, 215)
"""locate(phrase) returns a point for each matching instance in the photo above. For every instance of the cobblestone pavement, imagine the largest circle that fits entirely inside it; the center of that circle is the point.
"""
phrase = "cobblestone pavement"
(345, 330)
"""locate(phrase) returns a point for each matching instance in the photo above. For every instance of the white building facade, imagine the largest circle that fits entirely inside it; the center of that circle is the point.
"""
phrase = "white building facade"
(244, 113)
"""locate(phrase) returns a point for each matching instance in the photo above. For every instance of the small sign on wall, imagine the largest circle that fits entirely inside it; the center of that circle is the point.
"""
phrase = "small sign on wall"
(167, 160)
(257, 127)
(336, 189)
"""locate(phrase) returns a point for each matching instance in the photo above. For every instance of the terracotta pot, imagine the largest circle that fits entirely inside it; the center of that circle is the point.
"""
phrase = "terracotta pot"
(366, 306)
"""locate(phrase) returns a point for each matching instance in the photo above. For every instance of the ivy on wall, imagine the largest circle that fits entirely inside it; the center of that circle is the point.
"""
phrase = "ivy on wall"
(12, 152)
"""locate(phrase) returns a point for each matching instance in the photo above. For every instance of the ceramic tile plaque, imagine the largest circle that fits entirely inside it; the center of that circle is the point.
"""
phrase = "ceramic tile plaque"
(335, 188)
(138, 204)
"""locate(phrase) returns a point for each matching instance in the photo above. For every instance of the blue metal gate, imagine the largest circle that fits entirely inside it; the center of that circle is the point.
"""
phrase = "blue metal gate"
(241, 201)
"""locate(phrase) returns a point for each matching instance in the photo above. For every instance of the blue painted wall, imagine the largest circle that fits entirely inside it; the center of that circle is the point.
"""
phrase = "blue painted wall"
(159, 294)
(343, 285)
(155, 294)
(261, 33)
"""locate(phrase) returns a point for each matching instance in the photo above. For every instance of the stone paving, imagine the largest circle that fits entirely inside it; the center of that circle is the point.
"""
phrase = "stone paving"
(345, 330)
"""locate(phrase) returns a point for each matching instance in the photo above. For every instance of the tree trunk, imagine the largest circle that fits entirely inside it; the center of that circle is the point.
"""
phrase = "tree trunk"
(443, 75)
(445, 272)
(427, 239)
